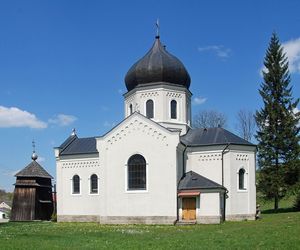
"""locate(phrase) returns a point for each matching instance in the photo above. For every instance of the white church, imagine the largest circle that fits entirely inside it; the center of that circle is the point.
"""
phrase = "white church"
(153, 167)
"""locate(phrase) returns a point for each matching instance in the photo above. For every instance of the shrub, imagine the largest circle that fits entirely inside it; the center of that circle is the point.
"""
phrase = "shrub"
(54, 217)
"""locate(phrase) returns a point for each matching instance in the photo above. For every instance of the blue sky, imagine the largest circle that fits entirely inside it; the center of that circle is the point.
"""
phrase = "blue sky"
(62, 63)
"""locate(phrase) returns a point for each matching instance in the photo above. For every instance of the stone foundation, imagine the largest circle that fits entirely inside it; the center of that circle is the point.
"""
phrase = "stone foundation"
(209, 220)
(137, 219)
(239, 217)
(77, 218)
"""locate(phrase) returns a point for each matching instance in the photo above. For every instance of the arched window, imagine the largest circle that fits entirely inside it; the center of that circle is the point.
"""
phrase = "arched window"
(130, 109)
(136, 173)
(173, 109)
(76, 184)
(94, 184)
(150, 109)
(242, 178)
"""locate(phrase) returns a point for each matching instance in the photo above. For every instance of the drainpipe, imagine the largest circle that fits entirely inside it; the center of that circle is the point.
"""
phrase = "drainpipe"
(226, 191)
(183, 172)
(223, 152)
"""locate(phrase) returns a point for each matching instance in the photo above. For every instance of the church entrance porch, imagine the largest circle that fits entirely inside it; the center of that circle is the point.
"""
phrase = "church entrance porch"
(189, 208)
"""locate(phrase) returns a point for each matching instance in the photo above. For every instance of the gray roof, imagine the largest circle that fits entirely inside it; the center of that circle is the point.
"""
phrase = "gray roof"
(212, 136)
(192, 180)
(34, 169)
(158, 65)
(74, 145)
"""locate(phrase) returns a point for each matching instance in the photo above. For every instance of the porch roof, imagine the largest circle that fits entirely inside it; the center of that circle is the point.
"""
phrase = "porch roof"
(192, 180)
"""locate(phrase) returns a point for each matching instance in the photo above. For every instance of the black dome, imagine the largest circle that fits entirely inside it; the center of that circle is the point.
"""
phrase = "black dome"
(157, 66)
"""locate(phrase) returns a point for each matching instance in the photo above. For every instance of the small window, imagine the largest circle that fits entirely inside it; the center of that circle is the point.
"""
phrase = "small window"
(242, 179)
(136, 172)
(173, 109)
(76, 184)
(149, 109)
(94, 184)
(130, 109)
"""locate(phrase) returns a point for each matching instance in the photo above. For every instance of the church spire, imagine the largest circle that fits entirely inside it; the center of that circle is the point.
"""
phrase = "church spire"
(34, 156)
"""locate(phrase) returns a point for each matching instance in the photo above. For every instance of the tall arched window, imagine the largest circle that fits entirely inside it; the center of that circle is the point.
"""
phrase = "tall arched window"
(242, 178)
(76, 184)
(130, 109)
(94, 184)
(136, 173)
(173, 109)
(150, 109)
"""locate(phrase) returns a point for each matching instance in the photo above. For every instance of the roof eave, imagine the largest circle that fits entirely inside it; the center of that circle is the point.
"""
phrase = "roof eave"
(217, 144)
(76, 153)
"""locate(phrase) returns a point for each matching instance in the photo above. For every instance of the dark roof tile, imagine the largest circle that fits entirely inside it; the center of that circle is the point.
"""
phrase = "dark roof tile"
(79, 146)
(192, 180)
(212, 136)
(34, 169)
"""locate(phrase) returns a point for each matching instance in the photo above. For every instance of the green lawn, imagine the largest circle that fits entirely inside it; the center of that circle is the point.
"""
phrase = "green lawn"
(273, 231)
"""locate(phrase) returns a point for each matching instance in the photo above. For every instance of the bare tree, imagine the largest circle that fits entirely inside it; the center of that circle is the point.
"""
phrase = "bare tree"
(209, 119)
(246, 124)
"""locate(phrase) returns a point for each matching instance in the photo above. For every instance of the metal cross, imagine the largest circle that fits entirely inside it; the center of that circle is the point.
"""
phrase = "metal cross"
(33, 146)
(157, 27)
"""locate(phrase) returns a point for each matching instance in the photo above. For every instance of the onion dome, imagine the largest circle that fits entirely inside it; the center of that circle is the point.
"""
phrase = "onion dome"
(157, 66)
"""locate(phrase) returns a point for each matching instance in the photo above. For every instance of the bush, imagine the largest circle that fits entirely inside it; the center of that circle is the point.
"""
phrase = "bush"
(54, 217)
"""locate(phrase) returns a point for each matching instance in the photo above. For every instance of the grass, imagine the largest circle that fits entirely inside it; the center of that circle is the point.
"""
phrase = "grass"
(273, 231)
(285, 205)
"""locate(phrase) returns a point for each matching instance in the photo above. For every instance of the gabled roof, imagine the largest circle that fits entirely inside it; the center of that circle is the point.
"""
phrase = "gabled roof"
(34, 169)
(141, 116)
(74, 145)
(211, 136)
(192, 180)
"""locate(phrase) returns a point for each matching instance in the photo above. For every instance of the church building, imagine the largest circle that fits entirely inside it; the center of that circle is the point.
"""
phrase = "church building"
(153, 167)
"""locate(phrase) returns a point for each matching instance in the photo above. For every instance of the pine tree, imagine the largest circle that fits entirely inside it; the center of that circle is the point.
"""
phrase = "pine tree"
(278, 134)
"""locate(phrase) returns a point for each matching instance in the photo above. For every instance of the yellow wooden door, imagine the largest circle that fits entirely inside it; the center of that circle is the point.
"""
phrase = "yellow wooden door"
(189, 208)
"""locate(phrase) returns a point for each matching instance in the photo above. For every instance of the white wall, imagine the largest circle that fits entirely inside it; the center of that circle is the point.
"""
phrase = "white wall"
(138, 135)
(162, 97)
(241, 202)
(209, 204)
(207, 161)
(83, 203)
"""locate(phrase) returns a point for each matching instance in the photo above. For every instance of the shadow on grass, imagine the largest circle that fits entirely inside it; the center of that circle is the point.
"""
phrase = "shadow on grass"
(279, 210)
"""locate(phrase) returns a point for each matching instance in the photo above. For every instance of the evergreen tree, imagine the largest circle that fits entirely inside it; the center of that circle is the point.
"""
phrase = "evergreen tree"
(278, 134)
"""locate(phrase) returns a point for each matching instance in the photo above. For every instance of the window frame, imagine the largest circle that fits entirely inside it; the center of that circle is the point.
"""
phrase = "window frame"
(90, 184)
(146, 107)
(171, 109)
(72, 185)
(127, 190)
(244, 189)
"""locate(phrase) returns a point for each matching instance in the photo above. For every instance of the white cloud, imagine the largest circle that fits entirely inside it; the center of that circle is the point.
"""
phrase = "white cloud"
(296, 111)
(292, 50)
(15, 117)
(199, 100)
(63, 120)
(219, 50)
